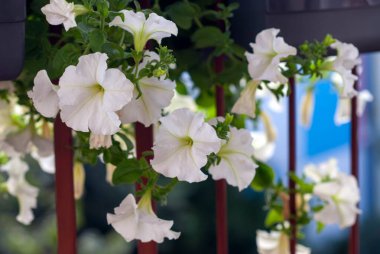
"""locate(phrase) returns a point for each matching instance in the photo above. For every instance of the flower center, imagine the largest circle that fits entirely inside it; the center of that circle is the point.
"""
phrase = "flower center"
(336, 199)
(98, 88)
(188, 141)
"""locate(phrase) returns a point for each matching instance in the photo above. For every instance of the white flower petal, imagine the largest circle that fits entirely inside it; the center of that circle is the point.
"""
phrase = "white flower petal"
(156, 95)
(157, 28)
(99, 141)
(142, 29)
(269, 50)
(60, 12)
(263, 149)
(44, 96)
(182, 145)
(342, 196)
(133, 21)
(90, 95)
(117, 90)
(347, 58)
(246, 104)
(276, 243)
(236, 166)
(135, 223)
(18, 187)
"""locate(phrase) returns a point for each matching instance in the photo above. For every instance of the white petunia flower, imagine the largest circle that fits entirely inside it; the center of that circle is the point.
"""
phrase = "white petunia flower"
(276, 242)
(307, 108)
(90, 95)
(263, 149)
(246, 104)
(156, 95)
(344, 63)
(44, 95)
(142, 29)
(182, 145)
(324, 171)
(341, 196)
(343, 110)
(236, 165)
(138, 221)
(18, 187)
(59, 12)
(147, 109)
(268, 51)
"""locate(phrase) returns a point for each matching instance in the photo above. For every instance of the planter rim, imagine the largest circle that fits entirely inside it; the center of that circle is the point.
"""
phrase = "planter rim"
(12, 11)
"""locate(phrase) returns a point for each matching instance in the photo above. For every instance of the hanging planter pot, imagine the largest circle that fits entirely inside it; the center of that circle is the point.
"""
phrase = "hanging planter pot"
(354, 21)
(12, 34)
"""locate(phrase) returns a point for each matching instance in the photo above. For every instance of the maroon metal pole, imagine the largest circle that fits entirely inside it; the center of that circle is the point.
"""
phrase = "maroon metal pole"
(354, 231)
(64, 188)
(144, 142)
(292, 166)
(221, 185)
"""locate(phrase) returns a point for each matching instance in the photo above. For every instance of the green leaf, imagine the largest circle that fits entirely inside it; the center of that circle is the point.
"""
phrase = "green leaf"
(65, 56)
(182, 14)
(97, 38)
(113, 50)
(128, 171)
(320, 227)
(274, 216)
(264, 177)
(209, 36)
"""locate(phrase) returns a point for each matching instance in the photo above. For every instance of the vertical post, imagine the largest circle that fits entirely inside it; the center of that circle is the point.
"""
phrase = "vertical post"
(221, 185)
(292, 165)
(354, 231)
(64, 188)
(144, 142)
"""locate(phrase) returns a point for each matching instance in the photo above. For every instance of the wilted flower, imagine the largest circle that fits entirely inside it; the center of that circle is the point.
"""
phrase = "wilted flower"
(139, 222)
(343, 110)
(90, 95)
(236, 165)
(268, 51)
(79, 179)
(182, 145)
(246, 104)
(99, 141)
(142, 29)
(276, 242)
(307, 108)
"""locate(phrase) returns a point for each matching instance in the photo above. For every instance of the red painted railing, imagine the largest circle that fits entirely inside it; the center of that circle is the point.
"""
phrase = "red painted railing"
(292, 123)
(64, 188)
(354, 231)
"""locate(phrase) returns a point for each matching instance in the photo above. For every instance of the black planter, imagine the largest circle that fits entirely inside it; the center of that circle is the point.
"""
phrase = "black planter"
(354, 21)
(12, 38)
